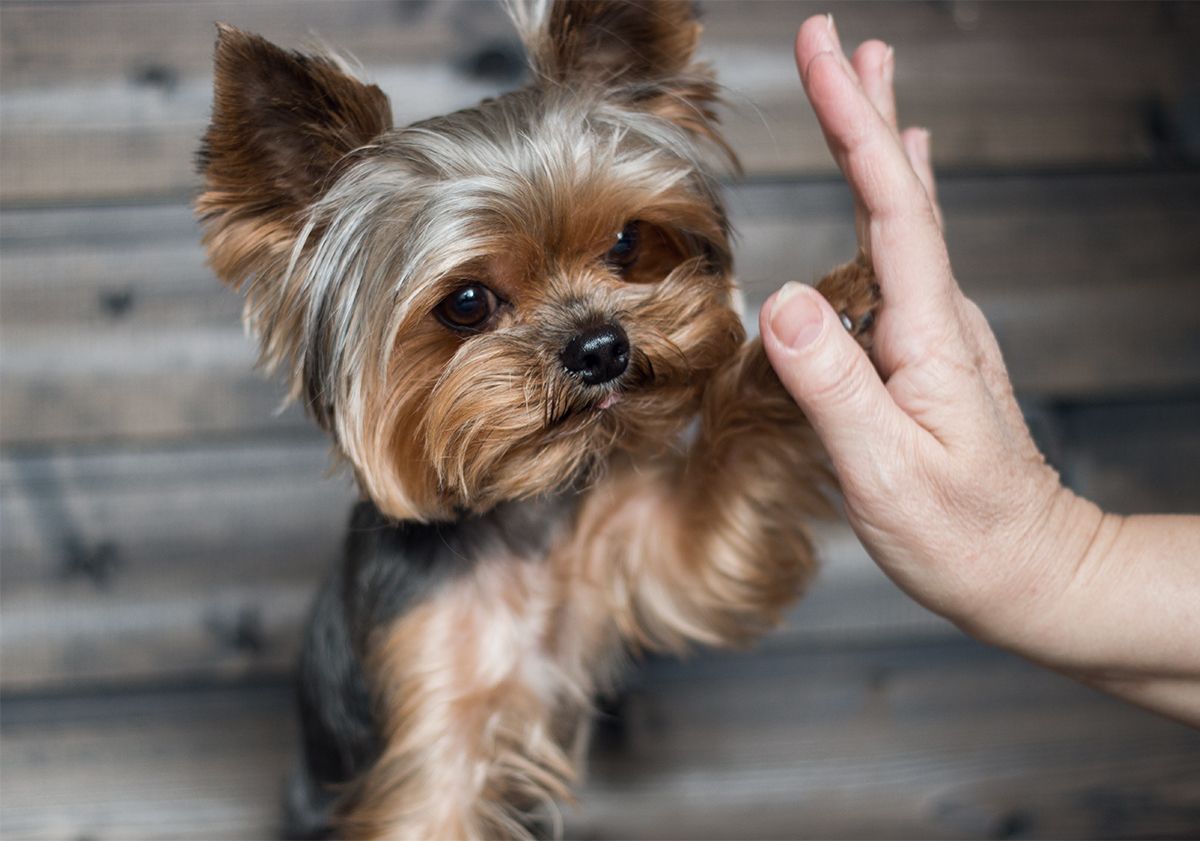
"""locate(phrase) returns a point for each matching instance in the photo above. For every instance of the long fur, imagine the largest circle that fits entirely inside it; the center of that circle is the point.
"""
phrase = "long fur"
(522, 531)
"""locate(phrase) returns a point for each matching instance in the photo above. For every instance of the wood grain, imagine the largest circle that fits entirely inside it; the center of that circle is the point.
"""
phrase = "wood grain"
(176, 563)
(1117, 454)
(114, 330)
(951, 740)
(197, 562)
(108, 99)
(940, 741)
(162, 526)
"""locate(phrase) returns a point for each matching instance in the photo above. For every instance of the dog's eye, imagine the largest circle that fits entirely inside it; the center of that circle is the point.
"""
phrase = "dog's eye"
(625, 253)
(467, 309)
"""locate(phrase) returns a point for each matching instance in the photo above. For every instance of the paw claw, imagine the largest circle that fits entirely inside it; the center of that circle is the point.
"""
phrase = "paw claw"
(855, 295)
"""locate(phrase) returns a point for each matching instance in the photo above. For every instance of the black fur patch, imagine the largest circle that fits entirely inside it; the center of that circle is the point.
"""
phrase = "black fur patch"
(388, 568)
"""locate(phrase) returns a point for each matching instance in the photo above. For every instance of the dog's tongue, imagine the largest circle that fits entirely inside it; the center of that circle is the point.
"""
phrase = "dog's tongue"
(609, 400)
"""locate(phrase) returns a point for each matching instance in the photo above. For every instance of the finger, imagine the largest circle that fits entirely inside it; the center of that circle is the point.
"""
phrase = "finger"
(908, 252)
(831, 379)
(871, 158)
(991, 362)
(874, 64)
(818, 35)
(916, 145)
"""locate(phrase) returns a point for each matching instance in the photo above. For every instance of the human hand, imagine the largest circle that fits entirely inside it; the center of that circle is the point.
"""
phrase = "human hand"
(941, 479)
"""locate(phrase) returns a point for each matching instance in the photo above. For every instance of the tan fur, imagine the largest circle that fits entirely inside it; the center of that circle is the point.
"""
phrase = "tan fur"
(481, 691)
(705, 546)
(855, 295)
(478, 717)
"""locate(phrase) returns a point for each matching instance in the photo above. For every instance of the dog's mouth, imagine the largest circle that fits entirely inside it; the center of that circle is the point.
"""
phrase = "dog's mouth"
(570, 403)
(584, 409)
(609, 400)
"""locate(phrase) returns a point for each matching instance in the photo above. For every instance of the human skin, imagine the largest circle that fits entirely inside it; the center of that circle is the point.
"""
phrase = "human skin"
(941, 479)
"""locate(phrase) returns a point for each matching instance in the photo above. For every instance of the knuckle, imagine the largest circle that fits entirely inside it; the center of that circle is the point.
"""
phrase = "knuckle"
(840, 378)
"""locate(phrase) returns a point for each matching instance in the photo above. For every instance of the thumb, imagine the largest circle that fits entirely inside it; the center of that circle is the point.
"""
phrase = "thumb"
(829, 375)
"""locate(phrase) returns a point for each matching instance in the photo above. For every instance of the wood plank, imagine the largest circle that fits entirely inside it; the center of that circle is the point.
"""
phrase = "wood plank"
(942, 741)
(128, 383)
(55, 42)
(208, 765)
(193, 514)
(113, 328)
(1062, 267)
(964, 742)
(198, 562)
(1136, 457)
(93, 112)
(181, 562)
(48, 43)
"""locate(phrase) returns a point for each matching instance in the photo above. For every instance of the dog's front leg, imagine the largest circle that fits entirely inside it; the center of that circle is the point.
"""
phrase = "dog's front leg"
(471, 722)
(713, 546)
(710, 546)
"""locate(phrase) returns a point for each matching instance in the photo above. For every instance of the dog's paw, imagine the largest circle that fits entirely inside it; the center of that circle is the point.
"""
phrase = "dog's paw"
(854, 294)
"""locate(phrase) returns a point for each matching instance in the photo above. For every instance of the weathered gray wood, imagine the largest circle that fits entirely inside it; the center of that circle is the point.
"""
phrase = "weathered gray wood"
(1137, 457)
(129, 383)
(186, 562)
(963, 742)
(198, 562)
(113, 328)
(90, 111)
(937, 741)
(188, 514)
(184, 765)
(49, 42)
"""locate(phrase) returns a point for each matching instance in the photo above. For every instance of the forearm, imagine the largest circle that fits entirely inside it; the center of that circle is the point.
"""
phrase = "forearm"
(1125, 615)
(1132, 606)
(1140, 586)
(941, 478)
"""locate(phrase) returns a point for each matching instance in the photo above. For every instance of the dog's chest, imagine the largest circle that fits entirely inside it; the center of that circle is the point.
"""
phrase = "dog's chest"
(498, 623)
(496, 627)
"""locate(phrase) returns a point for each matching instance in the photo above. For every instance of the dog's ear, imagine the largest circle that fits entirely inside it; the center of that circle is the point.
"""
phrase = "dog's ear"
(641, 51)
(282, 124)
(281, 121)
(611, 41)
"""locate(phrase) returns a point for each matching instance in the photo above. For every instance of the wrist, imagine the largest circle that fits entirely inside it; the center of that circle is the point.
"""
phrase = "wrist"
(1042, 614)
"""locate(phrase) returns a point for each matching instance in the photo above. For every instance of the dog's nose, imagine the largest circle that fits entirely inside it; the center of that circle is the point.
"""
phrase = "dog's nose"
(598, 354)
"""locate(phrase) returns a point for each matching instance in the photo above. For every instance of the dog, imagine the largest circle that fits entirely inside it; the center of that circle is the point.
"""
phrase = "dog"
(517, 324)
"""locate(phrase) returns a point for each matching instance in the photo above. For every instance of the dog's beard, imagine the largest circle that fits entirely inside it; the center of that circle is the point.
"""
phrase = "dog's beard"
(507, 421)
(502, 419)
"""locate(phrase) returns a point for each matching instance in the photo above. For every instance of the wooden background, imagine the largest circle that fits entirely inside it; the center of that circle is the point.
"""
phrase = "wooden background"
(162, 527)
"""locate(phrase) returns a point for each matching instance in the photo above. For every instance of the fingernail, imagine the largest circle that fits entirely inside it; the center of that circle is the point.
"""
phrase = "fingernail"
(889, 64)
(832, 27)
(916, 144)
(795, 316)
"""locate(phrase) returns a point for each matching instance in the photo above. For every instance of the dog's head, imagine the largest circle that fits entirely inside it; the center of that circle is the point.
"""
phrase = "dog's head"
(488, 304)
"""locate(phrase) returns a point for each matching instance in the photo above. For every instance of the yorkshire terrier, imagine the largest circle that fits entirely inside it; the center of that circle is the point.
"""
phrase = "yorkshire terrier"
(516, 322)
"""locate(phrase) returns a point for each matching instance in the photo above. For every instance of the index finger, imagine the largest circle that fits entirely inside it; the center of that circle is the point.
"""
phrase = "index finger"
(907, 248)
